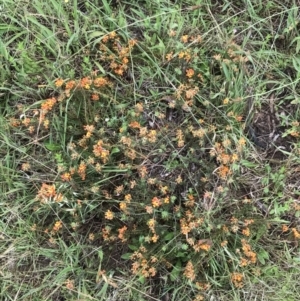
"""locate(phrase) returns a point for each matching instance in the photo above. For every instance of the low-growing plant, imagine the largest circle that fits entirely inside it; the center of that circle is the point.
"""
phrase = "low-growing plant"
(140, 164)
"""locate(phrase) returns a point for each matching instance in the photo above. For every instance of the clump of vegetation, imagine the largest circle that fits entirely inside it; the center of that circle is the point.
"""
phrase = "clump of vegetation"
(146, 156)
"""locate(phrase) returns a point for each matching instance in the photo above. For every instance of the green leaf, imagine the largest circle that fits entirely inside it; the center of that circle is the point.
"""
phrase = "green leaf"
(169, 236)
(52, 146)
(262, 255)
(133, 247)
(126, 256)
(176, 271)
(96, 34)
(181, 254)
(248, 164)
(100, 255)
(115, 150)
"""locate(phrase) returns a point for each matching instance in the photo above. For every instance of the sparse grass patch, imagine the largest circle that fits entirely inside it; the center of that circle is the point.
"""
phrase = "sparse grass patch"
(149, 151)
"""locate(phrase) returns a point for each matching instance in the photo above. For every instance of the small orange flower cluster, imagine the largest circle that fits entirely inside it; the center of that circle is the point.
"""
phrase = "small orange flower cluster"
(107, 235)
(186, 38)
(198, 133)
(48, 104)
(57, 226)
(82, 170)
(26, 166)
(237, 279)
(232, 56)
(186, 91)
(89, 130)
(251, 256)
(115, 53)
(123, 204)
(109, 215)
(285, 228)
(296, 206)
(190, 222)
(190, 202)
(189, 271)
(225, 159)
(185, 54)
(46, 192)
(234, 222)
(156, 202)
(296, 233)
(100, 151)
(202, 244)
(224, 171)
(134, 125)
(190, 73)
(180, 138)
(199, 297)
(203, 286)
(66, 177)
(143, 171)
(86, 83)
(151, 224)
(142, 266)
(122, 232)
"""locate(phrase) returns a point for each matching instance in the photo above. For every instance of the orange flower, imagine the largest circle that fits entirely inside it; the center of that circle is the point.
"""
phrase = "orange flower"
(109, 215)
(296, 233)
(237, 279)
(123, 206)
(169, 56)
(48, 104)
(189, 271)
(246, 231)
(184, 38)
(190, 73)
(70, 85)
(132, 43)
(82, 170)
(122, 232)
(149, 209)
(57, 226)
(143, 171)
(226, 101)
(95, 97)
(156, 202)
(46, 191)
(285, 228)
(100, 82)
(223, 171)
(59, 82)
(66, 177)
(127, 198)
(85, 83)
(135, 125)
(224, 243)
(26, 166)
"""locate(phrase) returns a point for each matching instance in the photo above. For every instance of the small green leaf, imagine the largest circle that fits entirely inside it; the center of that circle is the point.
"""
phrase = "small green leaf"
(248, 164)
(52, 146)
(100, 255)
(133, 247)
(175, 272)
(96, 34)
(126, 256)
(115, 150)
(169, 236)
